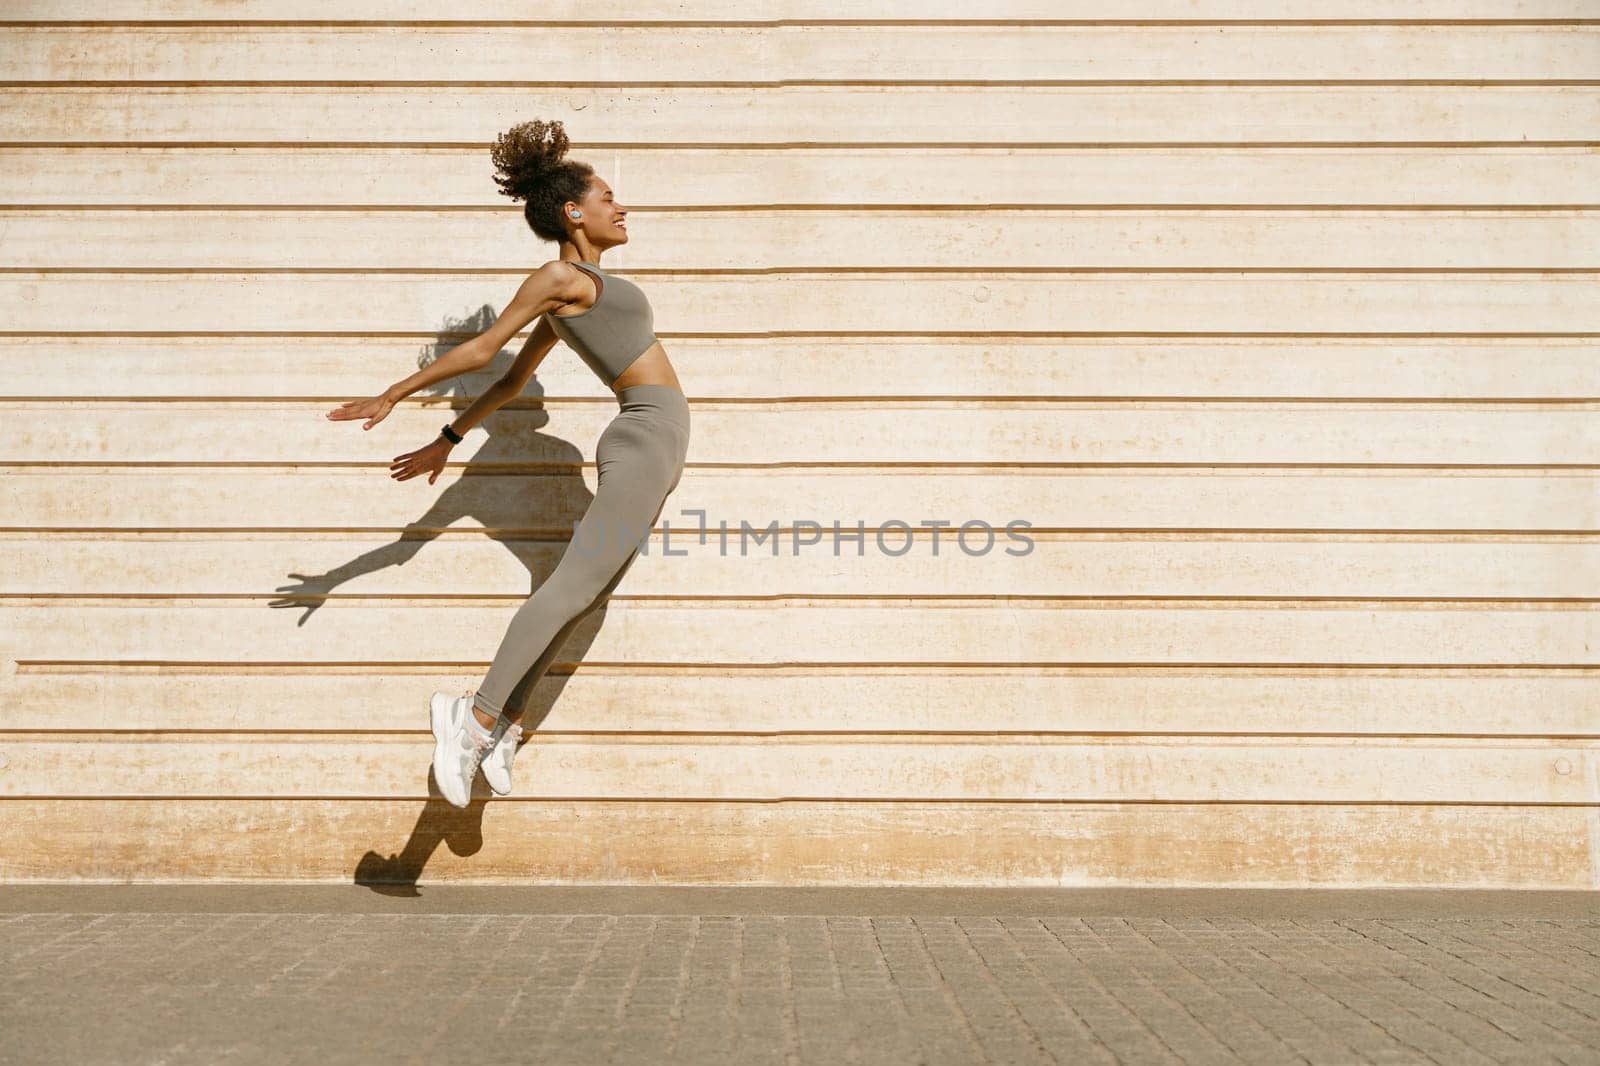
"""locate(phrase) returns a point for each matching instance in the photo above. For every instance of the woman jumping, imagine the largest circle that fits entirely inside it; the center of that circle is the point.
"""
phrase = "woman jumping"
(640, 455)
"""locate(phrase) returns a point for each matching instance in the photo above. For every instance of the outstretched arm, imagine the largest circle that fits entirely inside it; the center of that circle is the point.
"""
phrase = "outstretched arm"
(510, 384)
(430, 458)
(549, 287)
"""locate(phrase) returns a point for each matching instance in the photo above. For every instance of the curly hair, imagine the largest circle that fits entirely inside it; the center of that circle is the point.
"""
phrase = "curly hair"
(530, 159)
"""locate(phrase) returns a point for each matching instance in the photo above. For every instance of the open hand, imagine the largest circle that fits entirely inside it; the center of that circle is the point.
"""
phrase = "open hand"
(374, 410)
(428, 459)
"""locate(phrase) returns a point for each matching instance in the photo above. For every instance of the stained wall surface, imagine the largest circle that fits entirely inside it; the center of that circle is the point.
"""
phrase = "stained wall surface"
(1275, 327)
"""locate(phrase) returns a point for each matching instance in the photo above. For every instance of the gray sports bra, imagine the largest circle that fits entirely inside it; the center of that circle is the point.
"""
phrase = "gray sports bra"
(617, 329)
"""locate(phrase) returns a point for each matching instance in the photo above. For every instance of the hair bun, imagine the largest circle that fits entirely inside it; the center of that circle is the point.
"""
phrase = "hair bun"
(527, 154)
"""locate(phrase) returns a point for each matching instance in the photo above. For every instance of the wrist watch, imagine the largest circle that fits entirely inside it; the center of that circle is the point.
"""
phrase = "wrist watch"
(450, 435)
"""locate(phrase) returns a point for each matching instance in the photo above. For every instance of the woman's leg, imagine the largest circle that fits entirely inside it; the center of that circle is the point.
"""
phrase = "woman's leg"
(640, 460)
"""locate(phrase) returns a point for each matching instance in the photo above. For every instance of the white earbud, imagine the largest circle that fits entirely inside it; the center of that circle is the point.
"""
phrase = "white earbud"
(576, 215)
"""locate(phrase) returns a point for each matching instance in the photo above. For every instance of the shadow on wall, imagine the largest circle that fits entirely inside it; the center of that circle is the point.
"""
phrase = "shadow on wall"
(516, 507)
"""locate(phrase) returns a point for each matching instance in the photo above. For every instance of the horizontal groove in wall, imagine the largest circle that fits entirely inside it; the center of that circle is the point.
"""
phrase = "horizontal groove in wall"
(367, 667)
(1001, 271)
(900, 736)
(991, 269)
(874, 400)
(916, 801)
(484, 469)
(998, 272)
(986, 401)
(953, 150)
(802, 599)
(782, 207)
(781, 23)
(1078, 534)
(857, 738)
(703, 146)
(779, 85)
(444, 335)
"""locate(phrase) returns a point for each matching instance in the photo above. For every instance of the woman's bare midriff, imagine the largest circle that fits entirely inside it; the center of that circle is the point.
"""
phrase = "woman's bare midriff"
(651, 368)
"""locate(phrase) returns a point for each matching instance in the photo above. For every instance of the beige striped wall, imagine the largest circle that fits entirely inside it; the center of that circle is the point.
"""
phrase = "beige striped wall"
(1278, 321)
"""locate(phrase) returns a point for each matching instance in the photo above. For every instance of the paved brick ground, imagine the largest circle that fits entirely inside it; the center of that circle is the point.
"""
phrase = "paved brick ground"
(183, 975)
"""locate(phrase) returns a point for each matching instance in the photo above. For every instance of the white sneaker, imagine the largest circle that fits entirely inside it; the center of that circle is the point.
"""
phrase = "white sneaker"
(456, 752)
(497, 764)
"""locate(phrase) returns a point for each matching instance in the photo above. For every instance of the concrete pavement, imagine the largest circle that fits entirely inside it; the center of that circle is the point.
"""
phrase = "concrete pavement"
(346, 974)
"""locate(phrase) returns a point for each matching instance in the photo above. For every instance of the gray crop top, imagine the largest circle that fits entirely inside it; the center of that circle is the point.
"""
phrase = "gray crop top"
(617, 329)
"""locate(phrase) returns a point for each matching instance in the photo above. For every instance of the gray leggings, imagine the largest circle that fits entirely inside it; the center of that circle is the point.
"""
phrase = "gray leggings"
(640, 455)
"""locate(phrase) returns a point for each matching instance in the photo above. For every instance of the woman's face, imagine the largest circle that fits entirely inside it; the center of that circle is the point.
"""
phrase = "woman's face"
(604, 220)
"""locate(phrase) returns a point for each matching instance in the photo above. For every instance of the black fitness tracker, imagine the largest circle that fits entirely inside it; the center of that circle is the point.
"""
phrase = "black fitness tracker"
(450, 435)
